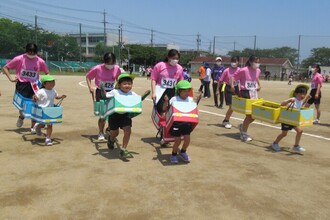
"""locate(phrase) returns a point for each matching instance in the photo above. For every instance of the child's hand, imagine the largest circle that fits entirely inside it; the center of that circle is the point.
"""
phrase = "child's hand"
(292, 100)
(63, 96)
(34, 98)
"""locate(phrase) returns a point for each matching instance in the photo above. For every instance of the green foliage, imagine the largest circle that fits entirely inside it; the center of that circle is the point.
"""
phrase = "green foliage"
(279, 52)
(318, 55)
(14, 36)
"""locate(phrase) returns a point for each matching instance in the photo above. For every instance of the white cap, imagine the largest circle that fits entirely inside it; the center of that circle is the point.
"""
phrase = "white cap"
(218, 58)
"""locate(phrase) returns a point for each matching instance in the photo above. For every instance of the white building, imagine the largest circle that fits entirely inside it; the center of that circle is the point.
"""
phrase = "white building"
(90, 40)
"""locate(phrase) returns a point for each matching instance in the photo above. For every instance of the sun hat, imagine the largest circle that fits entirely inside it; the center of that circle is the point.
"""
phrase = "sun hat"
(291, 94)
(218, 58)
(183, 84)
(47, 78)
(125, 75)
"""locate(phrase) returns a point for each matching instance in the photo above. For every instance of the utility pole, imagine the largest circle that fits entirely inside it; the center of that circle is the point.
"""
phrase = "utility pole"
(255, 44)
(36, 29)
(298, 58)
(80, 50)
(210, 47)
(152, 38)
(119, 42)
(198, 41)
(214, 46)
(104, 30)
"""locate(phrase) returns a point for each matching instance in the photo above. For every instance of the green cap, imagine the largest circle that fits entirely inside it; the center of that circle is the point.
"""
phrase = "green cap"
(300, 85)
(183, 84)
(125, 75)
(47, 78)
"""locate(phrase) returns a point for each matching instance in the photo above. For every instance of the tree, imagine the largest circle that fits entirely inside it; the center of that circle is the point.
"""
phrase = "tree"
(13, 37)
(318, 55)
(278, 52)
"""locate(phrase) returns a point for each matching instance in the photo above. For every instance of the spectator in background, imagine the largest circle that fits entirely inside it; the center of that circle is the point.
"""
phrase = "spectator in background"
(216, 74)
(201, 72)
(207, 80)
(186, 75)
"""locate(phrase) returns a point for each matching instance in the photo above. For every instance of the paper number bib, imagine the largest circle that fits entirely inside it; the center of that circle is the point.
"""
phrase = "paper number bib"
(168, 83)
(29, 75)
(252, 87)
(313, 85)
(108, 85)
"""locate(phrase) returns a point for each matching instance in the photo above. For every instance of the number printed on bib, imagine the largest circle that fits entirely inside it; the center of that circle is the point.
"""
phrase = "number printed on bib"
(251, 85)
(29, 75)
(168, 83)
(109, 85)
(313, 85)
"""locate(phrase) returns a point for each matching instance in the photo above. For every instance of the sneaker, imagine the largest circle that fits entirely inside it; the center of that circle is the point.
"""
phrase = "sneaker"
(111, 144)
(316, 121)
(174, 159)
(124, 153)
(298, 148)
(38, 131)
(185, 157)
(100, 137)
(240, 126)
(33, 131)
(48, 142)
(20, 122)
(276, 147)
(221, 106)
(226, 124)
(246, 137)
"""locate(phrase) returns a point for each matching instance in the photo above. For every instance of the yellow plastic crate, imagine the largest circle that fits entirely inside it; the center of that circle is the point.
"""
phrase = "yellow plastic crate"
(296, 117)
(266, 111)
(242, 105)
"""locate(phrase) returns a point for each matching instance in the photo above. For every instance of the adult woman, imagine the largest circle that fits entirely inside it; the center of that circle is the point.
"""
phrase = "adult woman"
(164, 77)
(315, 94)
(248, 78)
(27, 67)
(106, 73)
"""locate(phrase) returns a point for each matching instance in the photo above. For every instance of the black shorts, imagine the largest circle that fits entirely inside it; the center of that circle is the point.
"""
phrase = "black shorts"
(286, 127)
(229, 94)
(98, 94)
(119, 121)
(313, 100)
(180, 128)
(25, 89)
(170, 93)
(245, 94)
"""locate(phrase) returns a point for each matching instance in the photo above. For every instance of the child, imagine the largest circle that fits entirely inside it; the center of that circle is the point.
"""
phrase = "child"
(315, 94)
(123, 121)
(179, 129)
(45, 98)
(226, 78)
(298, 100)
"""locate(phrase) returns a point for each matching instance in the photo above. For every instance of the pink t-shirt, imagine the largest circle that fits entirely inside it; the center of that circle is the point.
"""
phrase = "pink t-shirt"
(27, 70)
(247, 77)
(166, 75)
(228, 74)
(102, 74)
(317, 79)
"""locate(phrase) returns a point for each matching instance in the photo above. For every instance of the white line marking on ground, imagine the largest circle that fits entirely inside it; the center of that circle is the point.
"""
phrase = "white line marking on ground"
(240, 119)
(263, 124)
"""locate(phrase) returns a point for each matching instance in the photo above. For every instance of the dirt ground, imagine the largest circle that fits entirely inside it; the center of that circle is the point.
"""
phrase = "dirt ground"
(78, 178)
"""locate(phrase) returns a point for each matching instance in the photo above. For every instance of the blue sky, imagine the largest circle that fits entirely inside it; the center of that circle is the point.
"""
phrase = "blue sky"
(275, 23)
